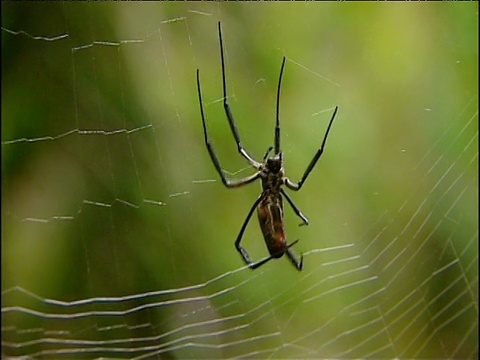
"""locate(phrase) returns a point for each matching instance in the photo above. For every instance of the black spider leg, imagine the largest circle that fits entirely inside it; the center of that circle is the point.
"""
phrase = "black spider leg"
(226, 106)
(267, 153)
(277, 125)
(239, 247)
(295, 208)
(277, 144)
(213, 156)
(297, 263)
(297, 186)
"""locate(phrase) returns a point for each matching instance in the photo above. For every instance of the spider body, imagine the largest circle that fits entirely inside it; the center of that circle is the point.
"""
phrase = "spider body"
(270, 218)
(270, 208)
(269, 204)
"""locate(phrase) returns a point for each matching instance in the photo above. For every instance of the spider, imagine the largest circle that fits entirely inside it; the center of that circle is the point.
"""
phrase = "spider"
(269, 204)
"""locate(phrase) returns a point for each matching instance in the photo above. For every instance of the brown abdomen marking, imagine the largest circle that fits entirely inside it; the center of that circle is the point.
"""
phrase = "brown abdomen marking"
(270, 217)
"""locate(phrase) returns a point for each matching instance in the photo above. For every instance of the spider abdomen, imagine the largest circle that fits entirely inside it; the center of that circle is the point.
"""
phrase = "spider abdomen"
(270, 217)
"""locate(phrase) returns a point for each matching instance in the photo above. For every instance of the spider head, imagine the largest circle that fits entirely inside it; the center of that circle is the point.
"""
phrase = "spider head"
(275, 164)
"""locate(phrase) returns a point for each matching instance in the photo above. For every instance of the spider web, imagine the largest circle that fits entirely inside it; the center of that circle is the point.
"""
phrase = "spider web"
(117, 235)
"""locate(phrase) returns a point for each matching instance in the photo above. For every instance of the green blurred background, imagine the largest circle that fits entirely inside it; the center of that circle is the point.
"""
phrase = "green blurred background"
(108, 189)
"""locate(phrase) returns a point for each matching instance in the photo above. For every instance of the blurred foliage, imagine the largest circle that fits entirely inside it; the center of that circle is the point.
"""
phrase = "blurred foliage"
(106, 186)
